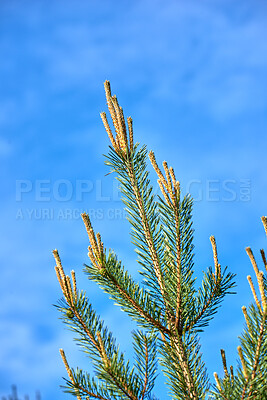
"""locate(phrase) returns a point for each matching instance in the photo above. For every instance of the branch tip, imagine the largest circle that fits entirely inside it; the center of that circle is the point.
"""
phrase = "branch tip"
(264, 221)
(217, 381)
(254, 292)
(252, 259)
(243, 362)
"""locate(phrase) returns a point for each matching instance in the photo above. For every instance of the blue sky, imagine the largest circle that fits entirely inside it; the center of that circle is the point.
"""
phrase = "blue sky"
(193, 76)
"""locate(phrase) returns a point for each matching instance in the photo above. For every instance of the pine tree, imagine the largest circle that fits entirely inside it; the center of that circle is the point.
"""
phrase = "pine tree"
(168, 308)
(14, 395)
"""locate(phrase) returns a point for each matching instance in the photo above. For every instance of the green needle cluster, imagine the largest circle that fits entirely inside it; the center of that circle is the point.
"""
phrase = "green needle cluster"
(167, 307)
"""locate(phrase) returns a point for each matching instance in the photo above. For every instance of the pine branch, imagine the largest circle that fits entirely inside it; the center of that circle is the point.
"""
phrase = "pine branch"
(87, 387)
(178, 258)
(95, 340)
(250, 381)
(130, 165)
(171, 208)
(177, 230)
(101, 347)
(111, 276)
(142, 214)
(189, 311)
(146, 362)
(177, 242)
(209, 296)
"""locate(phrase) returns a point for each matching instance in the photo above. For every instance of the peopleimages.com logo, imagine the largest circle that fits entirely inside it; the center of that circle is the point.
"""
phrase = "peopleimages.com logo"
(64, 190)
(83, 191)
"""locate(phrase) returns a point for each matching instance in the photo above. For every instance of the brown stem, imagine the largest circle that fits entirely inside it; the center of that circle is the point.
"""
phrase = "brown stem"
(146, 377)
(184, 366)
(96, 396)
(257, 355)
(147, 316)
(206, 305)
(147, 231)
(178, 264)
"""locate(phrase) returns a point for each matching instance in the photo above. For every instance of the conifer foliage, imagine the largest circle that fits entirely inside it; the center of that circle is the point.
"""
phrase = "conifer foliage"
(168, 308)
